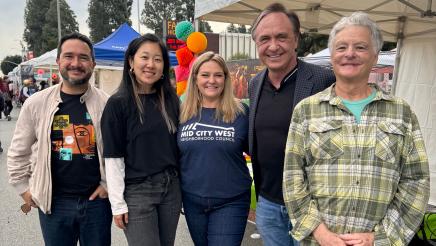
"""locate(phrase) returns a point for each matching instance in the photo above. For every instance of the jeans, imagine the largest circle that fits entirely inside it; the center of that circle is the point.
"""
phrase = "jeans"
(77, 219)
(273, 224)
(216, 221)
(154, 209)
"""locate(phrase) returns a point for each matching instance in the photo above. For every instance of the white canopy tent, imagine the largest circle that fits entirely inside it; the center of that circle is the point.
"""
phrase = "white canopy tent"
(411, 23)
(385, 58)
(107, 74)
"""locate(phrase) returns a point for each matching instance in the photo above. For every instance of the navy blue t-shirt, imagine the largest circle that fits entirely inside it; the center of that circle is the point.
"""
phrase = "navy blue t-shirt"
(211, 155)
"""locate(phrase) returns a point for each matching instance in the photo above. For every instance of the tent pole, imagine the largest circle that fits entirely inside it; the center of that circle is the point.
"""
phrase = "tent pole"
(51, 80)
(197, 25)
(400, 39)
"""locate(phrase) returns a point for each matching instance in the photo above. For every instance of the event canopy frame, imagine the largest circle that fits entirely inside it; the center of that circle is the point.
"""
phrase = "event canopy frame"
(320, 15)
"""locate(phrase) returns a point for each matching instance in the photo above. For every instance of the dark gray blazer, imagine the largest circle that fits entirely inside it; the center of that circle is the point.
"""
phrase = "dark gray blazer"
(311, 79)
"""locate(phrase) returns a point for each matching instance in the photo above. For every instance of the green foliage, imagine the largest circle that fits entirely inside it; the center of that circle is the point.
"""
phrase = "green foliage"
(50, 29)
(34, 19)
(155, 11)
(242, 29)
(8, 65)
(205, 27)
(40, 17)
(239, 56)
(312, 43)
(98, 20)
(389, 46)
(105, 16)
(232, 28)
(185, 10)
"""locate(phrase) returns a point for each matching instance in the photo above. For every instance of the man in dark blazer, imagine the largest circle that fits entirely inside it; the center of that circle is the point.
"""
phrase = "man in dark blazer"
(273, 94)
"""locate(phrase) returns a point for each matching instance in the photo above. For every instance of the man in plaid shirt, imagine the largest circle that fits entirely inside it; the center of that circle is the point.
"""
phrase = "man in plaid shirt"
(356, 170)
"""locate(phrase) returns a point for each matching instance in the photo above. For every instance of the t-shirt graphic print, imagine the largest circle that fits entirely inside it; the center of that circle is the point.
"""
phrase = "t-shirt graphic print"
(76, 139)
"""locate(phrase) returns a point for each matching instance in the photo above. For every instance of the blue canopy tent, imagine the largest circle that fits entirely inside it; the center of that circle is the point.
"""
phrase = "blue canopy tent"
(110, 51)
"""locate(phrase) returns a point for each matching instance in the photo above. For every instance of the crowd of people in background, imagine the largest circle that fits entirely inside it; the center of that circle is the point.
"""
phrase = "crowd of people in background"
(336, 161)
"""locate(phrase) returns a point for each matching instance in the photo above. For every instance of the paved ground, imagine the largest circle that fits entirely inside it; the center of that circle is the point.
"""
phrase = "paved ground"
(17, 229)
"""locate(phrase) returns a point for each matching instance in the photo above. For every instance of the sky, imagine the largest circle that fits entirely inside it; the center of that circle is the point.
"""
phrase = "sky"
(12, 22)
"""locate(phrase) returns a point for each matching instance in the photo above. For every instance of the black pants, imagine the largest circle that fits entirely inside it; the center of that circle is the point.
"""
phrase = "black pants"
(8, 108)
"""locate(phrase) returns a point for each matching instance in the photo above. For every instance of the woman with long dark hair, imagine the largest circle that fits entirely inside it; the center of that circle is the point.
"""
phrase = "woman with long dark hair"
(139, 127)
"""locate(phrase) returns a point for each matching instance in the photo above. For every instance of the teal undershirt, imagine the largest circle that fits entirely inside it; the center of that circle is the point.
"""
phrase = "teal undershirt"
(356, 107)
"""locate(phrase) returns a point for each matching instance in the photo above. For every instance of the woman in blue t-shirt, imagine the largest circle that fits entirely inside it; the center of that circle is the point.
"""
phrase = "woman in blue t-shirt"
(139, 125)
(212, 137)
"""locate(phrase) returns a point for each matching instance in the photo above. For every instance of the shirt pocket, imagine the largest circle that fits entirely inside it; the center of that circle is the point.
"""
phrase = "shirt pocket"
(389, 141)
(326, 139)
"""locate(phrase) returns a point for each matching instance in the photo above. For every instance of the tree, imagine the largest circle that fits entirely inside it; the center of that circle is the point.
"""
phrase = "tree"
(50, 28)
(155, 11)
(105, 16)
(185, 10)
(98, 20)
(34, 19)
(205, 27)
(232, 28)
(389, 46)
(312, 43)
(9, 63)
(241, 29)
(119, 12)
(236, 29)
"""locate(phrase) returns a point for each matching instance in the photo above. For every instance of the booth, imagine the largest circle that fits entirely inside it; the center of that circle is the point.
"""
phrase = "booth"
(109, 55)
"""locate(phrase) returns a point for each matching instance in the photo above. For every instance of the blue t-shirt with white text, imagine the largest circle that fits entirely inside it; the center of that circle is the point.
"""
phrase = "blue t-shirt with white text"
(211, 155)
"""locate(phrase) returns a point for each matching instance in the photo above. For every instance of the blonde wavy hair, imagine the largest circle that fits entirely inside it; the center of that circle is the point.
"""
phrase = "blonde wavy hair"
(228, 108)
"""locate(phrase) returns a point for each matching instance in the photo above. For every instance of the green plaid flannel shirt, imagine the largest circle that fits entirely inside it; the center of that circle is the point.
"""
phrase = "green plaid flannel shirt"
(366, 177)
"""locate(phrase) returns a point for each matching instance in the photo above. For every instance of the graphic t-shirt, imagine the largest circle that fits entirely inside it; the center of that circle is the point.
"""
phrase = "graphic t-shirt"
(74, 160)
(211, 155)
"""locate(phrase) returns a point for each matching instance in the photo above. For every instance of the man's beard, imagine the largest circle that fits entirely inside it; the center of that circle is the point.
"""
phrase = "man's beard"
(84, 80)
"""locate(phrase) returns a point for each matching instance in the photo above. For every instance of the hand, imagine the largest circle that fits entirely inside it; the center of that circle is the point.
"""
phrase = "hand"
(121, 220)
(99, 192)
(325, 237)
(358, 239)
(27, 197)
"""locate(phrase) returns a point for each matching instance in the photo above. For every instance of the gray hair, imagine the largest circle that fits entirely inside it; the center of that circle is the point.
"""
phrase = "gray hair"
(277, 8)
(358, 19)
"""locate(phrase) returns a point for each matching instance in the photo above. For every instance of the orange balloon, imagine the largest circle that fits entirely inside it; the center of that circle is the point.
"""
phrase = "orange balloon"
(181, 87)
(197, 42)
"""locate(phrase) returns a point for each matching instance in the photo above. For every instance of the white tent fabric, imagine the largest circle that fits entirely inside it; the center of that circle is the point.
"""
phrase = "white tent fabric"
(417, 84)
(385, 58)
(412, 23)
(107, 74)
(321, 15)
(45, 60)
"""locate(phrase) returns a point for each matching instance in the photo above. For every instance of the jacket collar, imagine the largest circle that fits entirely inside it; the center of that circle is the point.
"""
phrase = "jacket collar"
(83, 98)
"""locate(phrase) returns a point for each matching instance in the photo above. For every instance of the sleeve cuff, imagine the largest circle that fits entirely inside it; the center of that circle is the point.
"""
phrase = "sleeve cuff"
(21, 187)
(104, 184)
(308, 224)
(120, 209)
(380, 237)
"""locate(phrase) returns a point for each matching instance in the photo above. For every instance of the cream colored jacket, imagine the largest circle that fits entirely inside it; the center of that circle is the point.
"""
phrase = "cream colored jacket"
(29, 156)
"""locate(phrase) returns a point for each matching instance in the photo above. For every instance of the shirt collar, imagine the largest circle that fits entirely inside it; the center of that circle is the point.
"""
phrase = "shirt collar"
(329, 95)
